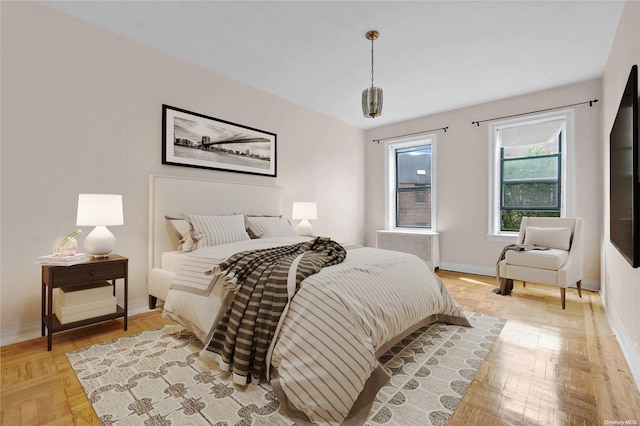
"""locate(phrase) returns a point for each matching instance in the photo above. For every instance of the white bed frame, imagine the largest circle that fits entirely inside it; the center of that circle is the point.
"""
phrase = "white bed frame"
(174, 196)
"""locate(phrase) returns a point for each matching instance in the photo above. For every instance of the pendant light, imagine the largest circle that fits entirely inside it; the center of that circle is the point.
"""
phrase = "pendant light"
(372, 96)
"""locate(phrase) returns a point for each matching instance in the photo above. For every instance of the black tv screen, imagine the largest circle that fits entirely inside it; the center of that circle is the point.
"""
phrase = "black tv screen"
(625, 177)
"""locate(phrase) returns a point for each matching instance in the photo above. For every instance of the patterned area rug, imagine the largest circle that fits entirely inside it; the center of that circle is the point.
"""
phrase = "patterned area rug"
(157, 378)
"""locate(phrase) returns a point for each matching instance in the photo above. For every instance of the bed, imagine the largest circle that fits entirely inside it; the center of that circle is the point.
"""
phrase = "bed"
(322, 360)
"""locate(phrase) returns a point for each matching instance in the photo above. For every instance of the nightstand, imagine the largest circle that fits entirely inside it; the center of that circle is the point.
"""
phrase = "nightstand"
(107, 269)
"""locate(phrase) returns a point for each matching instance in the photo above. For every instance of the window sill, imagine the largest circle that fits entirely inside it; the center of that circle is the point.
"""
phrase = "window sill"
(408, 231)
(509, 237)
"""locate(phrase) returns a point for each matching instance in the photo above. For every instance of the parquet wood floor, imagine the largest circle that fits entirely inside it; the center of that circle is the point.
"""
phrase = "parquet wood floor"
(548, 366)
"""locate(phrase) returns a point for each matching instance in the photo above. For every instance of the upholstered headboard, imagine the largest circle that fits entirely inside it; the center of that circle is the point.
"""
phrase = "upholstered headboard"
(173, 196)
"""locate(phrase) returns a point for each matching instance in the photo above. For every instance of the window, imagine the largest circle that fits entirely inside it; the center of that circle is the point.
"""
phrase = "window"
(410, 183)
(530, 183)
(529, 170)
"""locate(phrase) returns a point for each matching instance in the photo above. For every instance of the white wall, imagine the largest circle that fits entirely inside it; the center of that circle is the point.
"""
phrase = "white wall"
(621, 283)
(463, 176)
(81, 112)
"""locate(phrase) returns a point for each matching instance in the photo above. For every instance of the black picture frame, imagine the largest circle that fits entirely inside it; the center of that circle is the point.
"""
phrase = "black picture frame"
(190, 139)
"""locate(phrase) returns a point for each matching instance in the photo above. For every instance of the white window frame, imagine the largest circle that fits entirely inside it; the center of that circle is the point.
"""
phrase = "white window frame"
(567, 207)
(390, 181)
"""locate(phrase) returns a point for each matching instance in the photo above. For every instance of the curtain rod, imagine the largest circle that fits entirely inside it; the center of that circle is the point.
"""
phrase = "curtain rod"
(591, 102)
(411, 134)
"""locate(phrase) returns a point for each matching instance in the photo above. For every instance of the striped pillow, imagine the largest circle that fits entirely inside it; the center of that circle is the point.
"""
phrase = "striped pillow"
(214, 230)
(270, 227)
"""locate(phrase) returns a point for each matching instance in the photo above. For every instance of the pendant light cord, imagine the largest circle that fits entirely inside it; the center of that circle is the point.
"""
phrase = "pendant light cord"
(372, 62)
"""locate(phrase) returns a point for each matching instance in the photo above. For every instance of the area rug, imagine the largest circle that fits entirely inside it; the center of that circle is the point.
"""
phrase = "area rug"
(157, 377)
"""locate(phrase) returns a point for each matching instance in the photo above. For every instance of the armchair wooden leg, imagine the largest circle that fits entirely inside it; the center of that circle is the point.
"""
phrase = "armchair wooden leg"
(563, 295)
(579, 284)
(524, 283)
(503, 286)
(506, 285)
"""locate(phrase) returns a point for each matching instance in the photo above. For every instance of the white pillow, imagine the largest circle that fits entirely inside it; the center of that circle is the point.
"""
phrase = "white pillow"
(246, 223)
(209, 231)
(182, 231)
(270, 227)
(558, 238)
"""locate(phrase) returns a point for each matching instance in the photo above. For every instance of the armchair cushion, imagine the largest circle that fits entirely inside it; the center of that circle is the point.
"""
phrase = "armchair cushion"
(556, 238)
(551, 259)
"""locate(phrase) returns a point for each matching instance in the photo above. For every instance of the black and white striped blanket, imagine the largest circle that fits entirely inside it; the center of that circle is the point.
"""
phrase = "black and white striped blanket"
(262, 280)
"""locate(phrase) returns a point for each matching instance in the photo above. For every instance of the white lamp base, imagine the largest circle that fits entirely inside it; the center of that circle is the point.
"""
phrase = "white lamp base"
(100, 242)
(304, 228)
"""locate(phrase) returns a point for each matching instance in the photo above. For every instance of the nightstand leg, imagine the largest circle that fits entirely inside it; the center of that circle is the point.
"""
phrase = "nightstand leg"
(49, 316)
(44, 294)
(126, 298)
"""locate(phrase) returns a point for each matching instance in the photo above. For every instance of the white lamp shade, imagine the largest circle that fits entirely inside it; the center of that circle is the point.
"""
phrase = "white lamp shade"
(304, 211)
(99, 210)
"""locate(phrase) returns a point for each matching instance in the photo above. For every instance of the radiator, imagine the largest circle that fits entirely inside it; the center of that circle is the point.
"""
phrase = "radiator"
(424, 245)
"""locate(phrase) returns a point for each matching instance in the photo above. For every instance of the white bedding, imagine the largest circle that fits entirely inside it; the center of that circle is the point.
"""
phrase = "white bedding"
(335, 326)
(172, 260)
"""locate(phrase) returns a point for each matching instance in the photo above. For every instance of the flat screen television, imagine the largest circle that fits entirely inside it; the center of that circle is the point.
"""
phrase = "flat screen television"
(624, 225)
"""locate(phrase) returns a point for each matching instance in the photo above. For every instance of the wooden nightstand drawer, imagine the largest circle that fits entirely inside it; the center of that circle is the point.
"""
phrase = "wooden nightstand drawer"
(88, 272)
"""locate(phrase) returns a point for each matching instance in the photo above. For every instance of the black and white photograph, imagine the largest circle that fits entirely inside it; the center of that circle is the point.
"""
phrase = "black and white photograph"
(195, 140)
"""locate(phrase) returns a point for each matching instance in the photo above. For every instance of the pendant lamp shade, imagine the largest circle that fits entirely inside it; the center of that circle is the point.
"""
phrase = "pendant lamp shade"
(372, 102)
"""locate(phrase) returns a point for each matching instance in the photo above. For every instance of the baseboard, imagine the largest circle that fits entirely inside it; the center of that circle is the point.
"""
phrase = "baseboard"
(32, 330)
(468, 269)
(591, 284)
(628, 349)
(19, 333)
(490, 271)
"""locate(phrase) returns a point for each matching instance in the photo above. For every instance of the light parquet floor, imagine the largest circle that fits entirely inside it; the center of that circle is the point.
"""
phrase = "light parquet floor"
(548, 367)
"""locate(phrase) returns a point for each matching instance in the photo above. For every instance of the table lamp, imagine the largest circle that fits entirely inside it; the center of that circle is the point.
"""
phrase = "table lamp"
(99, 210)
(304, 211)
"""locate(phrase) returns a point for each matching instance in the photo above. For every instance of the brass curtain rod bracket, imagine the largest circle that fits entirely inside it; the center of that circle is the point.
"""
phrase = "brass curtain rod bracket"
(591, 102)
(444, 129)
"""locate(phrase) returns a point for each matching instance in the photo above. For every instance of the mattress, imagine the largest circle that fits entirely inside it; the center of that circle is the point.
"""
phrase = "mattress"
(172, 260)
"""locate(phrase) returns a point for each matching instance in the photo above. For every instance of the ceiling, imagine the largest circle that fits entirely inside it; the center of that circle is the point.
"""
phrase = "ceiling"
(432, 56)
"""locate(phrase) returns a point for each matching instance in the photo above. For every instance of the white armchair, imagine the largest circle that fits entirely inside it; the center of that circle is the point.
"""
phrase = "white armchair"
(561, 265)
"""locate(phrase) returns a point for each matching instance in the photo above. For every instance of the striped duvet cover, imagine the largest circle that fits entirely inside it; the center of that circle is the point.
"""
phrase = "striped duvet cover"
(323, 363)
(341, 319)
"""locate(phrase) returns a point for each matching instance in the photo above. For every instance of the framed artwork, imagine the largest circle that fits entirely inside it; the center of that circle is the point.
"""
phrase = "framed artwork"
(190, 139)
